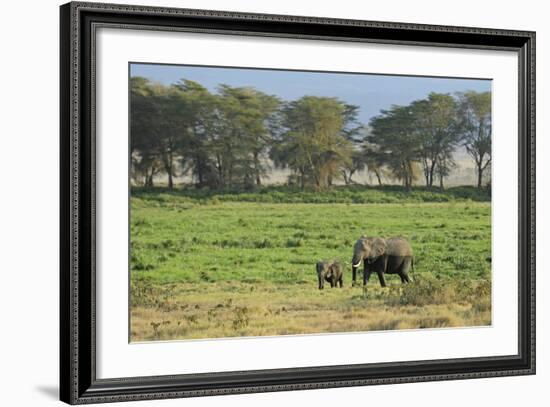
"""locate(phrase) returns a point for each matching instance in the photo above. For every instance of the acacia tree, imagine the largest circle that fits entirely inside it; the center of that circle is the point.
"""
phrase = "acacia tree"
(245, 116)
(445, 164)
(171, 129)
(355, 164)
(355, 132)
(144, 132)
(314, 143)
(199, 127)
(223, 138)
(374, 160)
(436, 124)
(475, 124)
(396, 138)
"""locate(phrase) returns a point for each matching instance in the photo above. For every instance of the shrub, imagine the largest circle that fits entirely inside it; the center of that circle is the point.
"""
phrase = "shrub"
(424, 291)
(241, 318)
(263, 244)
(433, 291)
(186, 196)
(295, 242)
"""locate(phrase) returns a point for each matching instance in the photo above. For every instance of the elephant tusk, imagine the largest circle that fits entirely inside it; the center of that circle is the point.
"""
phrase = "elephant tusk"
(357, 265)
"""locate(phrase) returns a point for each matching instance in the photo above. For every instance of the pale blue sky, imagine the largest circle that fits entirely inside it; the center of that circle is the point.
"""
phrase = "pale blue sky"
(370, 92)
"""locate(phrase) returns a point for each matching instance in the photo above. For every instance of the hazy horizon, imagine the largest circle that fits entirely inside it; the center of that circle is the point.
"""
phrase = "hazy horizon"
(370, 92)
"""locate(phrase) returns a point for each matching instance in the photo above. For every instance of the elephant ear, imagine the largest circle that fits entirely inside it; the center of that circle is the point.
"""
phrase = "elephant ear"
(378, 247)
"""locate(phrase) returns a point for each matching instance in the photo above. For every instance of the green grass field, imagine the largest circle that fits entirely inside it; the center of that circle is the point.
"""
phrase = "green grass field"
(207, 265)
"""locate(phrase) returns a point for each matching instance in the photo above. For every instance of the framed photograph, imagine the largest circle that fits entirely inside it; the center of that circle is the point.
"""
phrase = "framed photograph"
(255, 203)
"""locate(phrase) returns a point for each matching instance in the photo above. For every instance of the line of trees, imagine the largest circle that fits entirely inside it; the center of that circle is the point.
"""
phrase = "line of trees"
(231, 137)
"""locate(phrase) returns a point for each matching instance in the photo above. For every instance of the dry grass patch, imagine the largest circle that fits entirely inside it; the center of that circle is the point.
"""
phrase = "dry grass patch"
(215, 313)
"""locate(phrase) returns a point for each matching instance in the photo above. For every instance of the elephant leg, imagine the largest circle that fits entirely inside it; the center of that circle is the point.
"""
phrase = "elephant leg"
(366, 272)
(341, 280)
(404, 270)
(384, 263)
(332, 282)
(379, 266)
(366, 276)
(381, 278)
(404, 277)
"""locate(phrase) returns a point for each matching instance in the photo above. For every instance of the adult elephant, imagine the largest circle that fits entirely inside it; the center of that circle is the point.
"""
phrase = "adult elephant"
(382, 256)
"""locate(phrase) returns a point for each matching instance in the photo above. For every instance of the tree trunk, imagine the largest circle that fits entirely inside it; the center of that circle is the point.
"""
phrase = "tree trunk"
(220, 169)
(318, 178)
(350, 175)
(479, 175)
(229, 180)
(377, 173)
(257, 169)
(441, 187)
(303, 179)
(150, 183)
(198, 164)
(409, 176)
(432, 169)
(170, 180)
(345, 175)
(426, 171)
(318, 183)
(170, 171)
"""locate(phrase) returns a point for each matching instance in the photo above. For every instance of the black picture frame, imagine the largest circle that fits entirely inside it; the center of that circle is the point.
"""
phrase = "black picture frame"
(78, 382)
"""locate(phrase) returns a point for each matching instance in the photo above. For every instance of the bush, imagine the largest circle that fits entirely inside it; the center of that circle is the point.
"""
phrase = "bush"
(185, 197)
(432, 291)
(421, 292)
(299, 242)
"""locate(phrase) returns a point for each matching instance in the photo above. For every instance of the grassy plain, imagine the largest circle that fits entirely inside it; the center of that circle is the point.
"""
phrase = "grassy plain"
(207, 265)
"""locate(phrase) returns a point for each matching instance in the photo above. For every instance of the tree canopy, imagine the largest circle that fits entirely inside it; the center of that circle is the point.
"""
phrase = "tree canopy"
(232, 137)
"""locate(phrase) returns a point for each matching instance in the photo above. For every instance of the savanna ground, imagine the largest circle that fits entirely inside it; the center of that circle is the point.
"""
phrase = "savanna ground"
(209, 265)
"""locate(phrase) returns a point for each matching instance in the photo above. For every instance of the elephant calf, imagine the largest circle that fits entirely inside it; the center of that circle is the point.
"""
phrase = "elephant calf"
(382, 256)
(330, 271)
